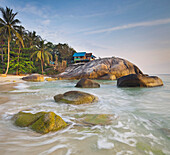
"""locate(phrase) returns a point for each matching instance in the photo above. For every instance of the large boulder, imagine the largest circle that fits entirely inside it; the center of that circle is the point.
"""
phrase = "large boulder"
(75, 97)
(41, 122)
(87, 83)
(108, 68)
(134, 80)
(34, 78)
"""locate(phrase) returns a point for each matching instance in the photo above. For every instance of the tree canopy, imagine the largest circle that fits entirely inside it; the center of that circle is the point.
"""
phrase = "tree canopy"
(19, 47)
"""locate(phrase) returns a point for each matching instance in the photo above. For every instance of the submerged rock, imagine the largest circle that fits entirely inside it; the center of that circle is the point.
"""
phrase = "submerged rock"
(100, 68)
(166, 132)
(134, 80)
(93, 119)
(41, 122)
(144, 147)
(87, 83)
(34, 78)
(75, 97)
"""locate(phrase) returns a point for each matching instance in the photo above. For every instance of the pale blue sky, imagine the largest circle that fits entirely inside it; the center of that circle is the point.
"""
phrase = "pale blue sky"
(137, 30)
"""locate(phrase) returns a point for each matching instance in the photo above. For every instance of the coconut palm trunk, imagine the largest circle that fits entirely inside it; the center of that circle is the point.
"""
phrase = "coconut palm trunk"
(8, 23)
(8, 56)
(42, 66)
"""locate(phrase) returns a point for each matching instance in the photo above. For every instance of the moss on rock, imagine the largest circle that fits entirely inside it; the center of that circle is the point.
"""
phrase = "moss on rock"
(94, 119)
(75, 97)
(42, 122)
(48, 122)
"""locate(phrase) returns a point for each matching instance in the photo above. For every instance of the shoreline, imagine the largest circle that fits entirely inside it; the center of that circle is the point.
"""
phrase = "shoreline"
(11, 79)
(7, 84)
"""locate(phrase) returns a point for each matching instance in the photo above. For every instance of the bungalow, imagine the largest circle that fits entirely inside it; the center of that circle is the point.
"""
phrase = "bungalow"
(83, 57)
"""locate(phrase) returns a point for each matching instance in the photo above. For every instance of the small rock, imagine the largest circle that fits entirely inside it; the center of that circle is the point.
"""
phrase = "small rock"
(87, 83)
(75, 97)
(34, 78)
(50, 79)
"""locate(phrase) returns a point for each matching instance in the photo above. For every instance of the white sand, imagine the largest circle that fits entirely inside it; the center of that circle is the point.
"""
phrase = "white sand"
(11, 79)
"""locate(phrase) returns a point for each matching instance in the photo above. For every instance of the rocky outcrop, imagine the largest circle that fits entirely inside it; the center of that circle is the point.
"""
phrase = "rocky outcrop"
(75, 97)
(108, 68)
(87, 83)
(34, 78)
(134, 80)
(41, 122)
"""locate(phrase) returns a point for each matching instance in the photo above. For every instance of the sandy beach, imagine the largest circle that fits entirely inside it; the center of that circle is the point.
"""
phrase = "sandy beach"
(10, 79)
(7, 84)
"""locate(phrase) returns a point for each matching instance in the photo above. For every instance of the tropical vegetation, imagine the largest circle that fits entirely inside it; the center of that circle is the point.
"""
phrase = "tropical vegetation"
(23, 51)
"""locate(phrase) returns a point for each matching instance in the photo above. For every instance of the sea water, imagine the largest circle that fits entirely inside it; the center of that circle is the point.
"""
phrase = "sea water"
(141, 122)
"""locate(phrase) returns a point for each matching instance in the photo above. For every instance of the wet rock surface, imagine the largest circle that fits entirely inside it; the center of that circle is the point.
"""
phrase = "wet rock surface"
(94, 119)
(87, 83)
(134, 80)
(100, 68)
(41, 122)
(34, 78)
(75, 97)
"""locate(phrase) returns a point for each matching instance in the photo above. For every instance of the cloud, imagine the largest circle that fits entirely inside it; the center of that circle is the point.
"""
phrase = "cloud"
(46, 22)
(133, 25)
(33, 9)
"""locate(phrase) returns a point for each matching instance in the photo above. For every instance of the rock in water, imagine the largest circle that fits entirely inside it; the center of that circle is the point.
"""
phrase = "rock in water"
(87, 83)
(94, 119)
(75, 97)
(108, 68)
(42, 122)
(34, 78)
(134, 80)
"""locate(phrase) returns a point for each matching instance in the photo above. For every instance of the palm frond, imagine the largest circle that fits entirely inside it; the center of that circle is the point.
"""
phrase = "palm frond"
(2, 21)
(18, 36)
(13, 16)
(39, 54)
(14, 22)
(46, 57)
(33, 54)
(49, 54)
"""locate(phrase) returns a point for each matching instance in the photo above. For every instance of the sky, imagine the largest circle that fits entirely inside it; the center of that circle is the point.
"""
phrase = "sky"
(136, 30)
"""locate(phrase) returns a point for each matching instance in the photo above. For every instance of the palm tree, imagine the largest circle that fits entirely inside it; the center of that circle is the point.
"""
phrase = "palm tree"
(42, 54)
(32, 38)
(21, 30)
(9, 24)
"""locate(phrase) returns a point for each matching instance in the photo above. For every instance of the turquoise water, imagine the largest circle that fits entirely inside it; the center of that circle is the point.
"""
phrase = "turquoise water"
(140, 123)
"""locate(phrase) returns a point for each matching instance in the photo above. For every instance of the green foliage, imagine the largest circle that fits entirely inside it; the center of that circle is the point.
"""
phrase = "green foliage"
(24, 65)
(26, 44)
